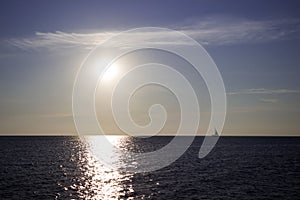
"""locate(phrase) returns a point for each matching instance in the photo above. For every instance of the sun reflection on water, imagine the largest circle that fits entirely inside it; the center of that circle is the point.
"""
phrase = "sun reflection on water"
(100, 181)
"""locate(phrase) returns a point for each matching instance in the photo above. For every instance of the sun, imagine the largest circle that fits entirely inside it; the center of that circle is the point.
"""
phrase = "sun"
(111, 72)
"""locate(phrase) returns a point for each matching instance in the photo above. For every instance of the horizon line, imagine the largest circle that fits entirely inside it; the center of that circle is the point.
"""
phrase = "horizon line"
(76, 135)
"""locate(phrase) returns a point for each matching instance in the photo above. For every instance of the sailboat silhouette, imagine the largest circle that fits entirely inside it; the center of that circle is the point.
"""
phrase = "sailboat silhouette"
(216, 134)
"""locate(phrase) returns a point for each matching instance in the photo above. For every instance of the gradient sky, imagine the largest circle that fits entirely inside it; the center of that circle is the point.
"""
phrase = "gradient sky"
(255, 45)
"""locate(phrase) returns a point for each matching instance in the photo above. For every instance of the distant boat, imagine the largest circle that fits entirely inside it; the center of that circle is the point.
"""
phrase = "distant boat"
(216, 134)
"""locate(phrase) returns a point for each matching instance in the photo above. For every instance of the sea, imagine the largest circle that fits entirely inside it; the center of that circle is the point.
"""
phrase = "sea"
(63, 167)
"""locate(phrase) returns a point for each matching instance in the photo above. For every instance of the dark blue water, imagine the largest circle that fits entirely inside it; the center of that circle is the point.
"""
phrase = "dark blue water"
(237, 168)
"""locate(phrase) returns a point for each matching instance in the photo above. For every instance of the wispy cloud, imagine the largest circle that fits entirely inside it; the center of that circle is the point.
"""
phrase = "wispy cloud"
(217, 30)
(56, 115)
(264, 91)
(220, 30)
(60, 39)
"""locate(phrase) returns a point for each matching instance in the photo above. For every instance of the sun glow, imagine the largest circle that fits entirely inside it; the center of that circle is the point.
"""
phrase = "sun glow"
(111, 72)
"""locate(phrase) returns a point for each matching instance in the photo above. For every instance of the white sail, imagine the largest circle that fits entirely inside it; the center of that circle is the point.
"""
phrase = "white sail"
(216, 133)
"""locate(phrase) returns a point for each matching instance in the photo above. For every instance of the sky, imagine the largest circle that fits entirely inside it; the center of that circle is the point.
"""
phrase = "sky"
(255, 45)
